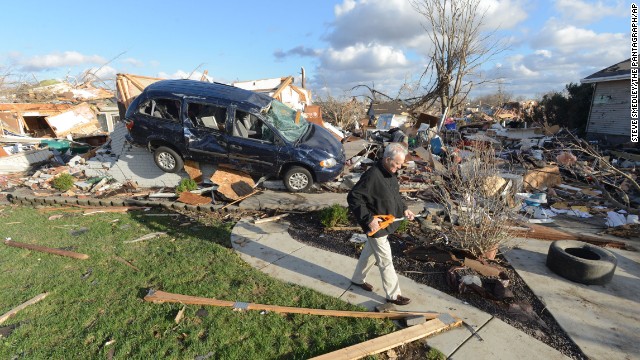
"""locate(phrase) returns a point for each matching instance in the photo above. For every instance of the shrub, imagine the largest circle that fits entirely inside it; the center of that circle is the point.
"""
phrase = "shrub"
(404, 227)
(63, 182)
(334, 215)
(186, 185)
(472, 196)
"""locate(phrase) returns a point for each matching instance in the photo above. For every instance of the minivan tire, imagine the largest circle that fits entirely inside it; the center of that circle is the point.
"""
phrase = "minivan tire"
(581, 262)
(167, 159)
(298, 179)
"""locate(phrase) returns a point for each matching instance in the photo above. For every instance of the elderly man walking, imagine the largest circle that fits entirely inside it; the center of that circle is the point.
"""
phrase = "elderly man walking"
(378, 193)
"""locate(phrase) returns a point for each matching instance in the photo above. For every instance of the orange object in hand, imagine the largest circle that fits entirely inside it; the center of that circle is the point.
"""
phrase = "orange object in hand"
(386, 221)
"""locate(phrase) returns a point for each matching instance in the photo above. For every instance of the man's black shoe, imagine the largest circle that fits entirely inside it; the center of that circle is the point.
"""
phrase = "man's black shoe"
(400, 300)
(365, 286)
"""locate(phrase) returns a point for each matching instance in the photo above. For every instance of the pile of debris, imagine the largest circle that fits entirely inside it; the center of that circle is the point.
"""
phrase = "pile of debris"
(54, 119)
(535, 174)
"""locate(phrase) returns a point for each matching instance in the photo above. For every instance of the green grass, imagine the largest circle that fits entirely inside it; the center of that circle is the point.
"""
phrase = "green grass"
(94, 301)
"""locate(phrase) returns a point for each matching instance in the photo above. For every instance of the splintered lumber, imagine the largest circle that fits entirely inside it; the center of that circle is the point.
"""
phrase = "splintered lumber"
(16, 309)
(389, 341)
(343, 228)
(240, 199)
(146, 237)
(66, 253)
(123, 261)
(269, 219)
(180, 315)
(165, 297)
(541, 232)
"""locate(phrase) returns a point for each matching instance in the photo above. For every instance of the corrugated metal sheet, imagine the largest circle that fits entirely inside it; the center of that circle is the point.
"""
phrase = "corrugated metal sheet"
(610, 111)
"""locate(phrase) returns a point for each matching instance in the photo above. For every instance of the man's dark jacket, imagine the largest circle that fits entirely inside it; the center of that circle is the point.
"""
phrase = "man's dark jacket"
(376, 193)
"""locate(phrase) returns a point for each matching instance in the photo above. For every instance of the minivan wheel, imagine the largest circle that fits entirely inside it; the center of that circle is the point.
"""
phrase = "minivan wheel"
(298, 179)
(168, 159)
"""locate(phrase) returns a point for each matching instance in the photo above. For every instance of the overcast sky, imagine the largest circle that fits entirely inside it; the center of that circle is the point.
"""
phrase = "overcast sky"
(341, 44)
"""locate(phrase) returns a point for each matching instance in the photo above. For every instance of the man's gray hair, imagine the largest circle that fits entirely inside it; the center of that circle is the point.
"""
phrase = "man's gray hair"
(394, 149)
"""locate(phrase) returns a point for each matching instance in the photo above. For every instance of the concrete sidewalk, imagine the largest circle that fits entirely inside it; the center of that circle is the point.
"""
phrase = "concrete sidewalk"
(269, 247)
(603, 320)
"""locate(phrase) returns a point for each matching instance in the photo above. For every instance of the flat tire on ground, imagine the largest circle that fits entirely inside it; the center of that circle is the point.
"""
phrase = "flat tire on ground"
(581, 262)
(298, 179)
(167, 159)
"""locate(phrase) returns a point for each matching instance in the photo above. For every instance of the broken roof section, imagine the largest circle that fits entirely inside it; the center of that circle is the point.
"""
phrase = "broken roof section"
(18, 119)
(281, 89)
(80, 119)
(619, 71)
(49, 120)
(129, 86)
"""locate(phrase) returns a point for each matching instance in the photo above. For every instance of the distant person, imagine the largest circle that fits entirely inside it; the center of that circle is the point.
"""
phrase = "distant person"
(378, 193)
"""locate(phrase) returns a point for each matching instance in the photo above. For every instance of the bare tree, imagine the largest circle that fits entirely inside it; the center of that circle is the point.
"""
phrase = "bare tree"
(460, 46)
(341, 112)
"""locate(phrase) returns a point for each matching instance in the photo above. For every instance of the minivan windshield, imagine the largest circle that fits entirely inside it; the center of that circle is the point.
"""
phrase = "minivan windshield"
(290, 123)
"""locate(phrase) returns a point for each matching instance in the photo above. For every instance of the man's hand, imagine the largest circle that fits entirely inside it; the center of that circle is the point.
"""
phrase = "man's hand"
(409, 215)
(374, 225)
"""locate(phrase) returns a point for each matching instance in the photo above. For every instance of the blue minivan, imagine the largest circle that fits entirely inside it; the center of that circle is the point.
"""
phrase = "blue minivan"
(232, 127)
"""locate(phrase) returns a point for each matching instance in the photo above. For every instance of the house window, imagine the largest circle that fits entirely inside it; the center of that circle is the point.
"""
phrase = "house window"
(602, 99)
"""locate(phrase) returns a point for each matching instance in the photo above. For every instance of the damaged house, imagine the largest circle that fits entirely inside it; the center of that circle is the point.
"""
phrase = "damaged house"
(609, 116)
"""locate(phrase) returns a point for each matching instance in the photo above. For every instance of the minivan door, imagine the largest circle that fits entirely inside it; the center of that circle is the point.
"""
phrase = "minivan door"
(205, 132)
(253, 147)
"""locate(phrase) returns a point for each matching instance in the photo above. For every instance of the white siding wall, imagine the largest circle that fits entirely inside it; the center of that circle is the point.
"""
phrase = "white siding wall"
(610, 111)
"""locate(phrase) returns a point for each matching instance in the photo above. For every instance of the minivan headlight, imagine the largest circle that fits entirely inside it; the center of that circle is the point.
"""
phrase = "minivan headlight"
(331, 162)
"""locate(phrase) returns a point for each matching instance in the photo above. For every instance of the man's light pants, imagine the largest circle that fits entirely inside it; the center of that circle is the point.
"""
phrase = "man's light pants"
(378, 251)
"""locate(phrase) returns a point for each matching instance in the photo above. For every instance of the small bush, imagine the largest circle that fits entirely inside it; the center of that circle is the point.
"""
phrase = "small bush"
(334, 215)
(186, 185)
(404, 227)
(63, 182)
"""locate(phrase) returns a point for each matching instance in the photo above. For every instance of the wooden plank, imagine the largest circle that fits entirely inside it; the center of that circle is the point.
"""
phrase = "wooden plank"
(542, 232)
(626, 155)
(18, 308)
(240, 199)
(204, 75)
(135, 82)
(273, 218)
(389, 341)
(146, 237)
(288, 80)
(66, 253)
(123, 261)
(165, 297)
(344, 228)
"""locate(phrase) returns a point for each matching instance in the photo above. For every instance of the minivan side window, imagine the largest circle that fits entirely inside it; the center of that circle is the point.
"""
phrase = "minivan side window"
(168, 109)
(207, 115)
(251, 127)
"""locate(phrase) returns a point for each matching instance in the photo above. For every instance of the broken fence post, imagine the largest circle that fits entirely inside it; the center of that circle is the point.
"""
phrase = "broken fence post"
(66, 253)
(15, 310)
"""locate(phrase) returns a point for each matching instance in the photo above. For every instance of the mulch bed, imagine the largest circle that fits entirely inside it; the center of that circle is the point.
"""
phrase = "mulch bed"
(523, 311)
